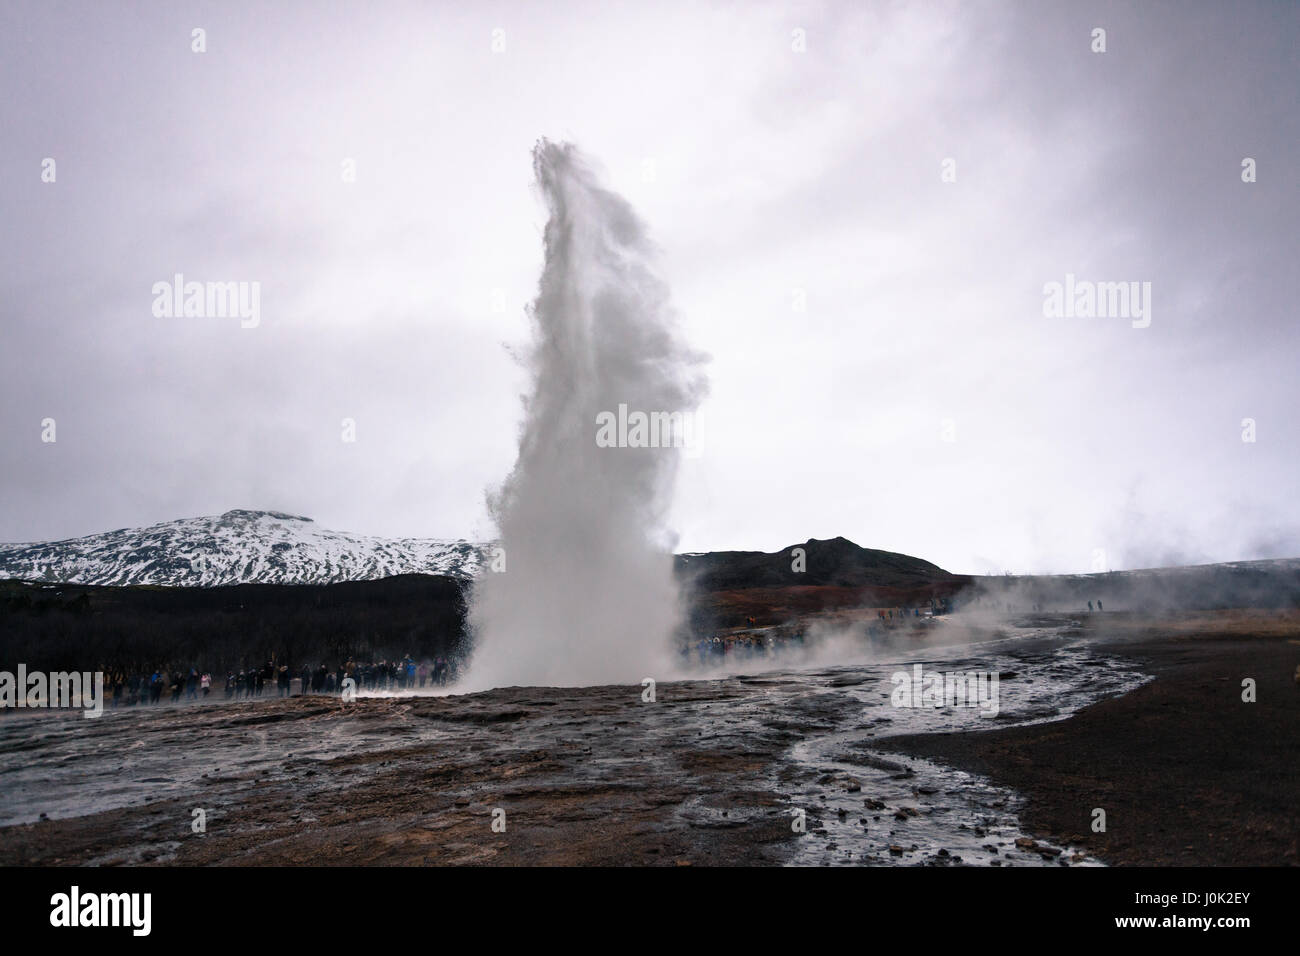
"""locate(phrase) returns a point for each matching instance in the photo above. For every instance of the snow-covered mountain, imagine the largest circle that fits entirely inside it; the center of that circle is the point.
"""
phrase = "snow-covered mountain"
(238, 547)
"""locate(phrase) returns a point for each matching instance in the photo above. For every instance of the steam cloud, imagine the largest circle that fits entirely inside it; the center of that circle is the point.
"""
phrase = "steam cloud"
(587, 595)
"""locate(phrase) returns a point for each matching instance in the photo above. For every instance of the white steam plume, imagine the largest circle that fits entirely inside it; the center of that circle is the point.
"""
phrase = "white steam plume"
(587, 594)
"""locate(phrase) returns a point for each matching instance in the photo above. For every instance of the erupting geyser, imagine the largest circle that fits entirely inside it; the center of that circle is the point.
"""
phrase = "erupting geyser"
(587, 594)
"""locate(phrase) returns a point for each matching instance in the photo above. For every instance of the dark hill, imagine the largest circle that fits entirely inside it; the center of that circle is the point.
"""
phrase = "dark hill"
(836, 562)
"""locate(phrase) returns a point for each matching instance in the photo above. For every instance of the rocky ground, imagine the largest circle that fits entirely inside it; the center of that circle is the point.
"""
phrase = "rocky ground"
(584, 776)
(711, 772)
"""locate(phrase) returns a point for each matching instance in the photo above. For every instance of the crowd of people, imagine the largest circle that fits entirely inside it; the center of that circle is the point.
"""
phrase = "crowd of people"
(405, 674)
(758, 642)
(129, 689)
(741, 647)
(279, 680)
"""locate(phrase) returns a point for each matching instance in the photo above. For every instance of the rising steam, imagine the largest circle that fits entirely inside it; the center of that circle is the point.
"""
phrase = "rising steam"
(587, 594)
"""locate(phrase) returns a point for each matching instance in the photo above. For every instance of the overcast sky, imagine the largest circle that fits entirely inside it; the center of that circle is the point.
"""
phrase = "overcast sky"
(882, 367)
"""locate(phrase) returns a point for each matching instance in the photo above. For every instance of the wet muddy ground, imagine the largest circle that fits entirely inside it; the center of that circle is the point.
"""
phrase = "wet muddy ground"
(793, 765)
(1186, 770)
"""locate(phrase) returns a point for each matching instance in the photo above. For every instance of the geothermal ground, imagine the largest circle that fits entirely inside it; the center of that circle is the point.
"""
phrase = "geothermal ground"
(1141, 717)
